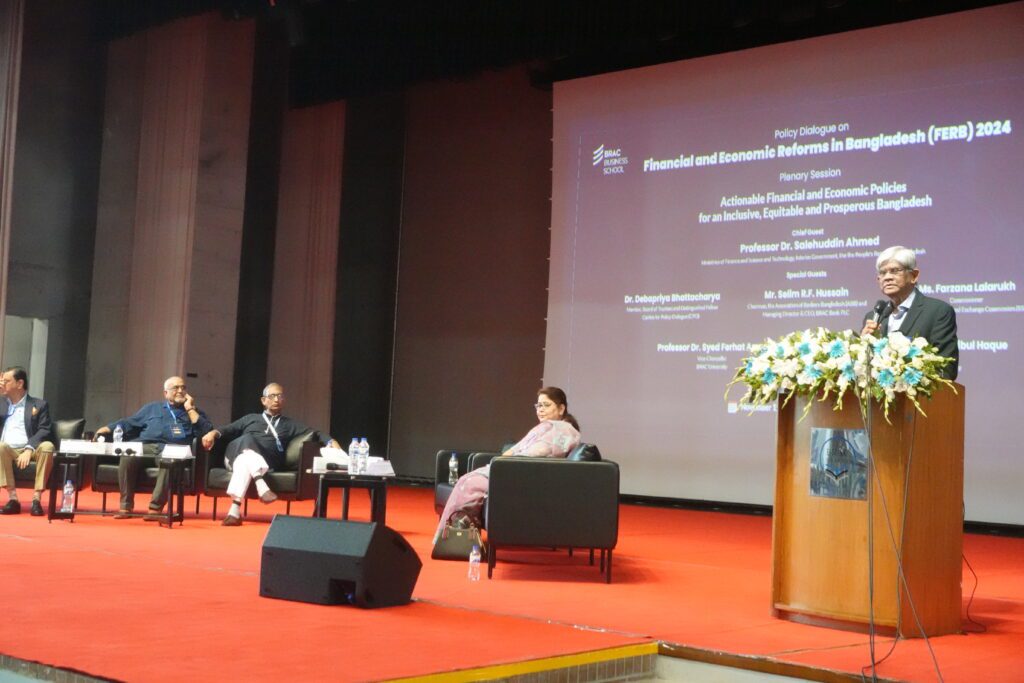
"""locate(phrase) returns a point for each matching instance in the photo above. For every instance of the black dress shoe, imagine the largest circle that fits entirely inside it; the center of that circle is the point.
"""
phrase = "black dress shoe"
(37, 509)
(13, 507)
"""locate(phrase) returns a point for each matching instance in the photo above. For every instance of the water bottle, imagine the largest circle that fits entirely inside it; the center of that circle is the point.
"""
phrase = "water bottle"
(353, 456)
(364, 455)
(474, 564)
(67, 503)
(453, 469)
(118, 433)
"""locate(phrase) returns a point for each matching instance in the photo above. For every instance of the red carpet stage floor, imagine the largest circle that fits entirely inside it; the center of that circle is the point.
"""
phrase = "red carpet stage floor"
(127, 600)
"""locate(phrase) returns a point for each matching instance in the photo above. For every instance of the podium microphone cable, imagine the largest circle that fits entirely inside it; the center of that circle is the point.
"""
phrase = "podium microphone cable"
(897, 549)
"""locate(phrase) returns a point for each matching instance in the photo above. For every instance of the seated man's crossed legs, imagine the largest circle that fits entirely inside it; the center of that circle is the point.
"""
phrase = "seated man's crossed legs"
(247, 465)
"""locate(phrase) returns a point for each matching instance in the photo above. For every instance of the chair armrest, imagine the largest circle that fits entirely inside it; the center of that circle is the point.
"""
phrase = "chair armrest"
(553, 502)
(478, 460)
(307, 480)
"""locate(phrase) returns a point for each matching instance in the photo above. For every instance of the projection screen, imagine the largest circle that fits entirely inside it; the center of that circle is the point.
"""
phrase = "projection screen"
(704, 205)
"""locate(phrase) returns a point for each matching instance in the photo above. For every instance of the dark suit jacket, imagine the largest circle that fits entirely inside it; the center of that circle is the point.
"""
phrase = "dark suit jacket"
(37, 419)
(935, 320)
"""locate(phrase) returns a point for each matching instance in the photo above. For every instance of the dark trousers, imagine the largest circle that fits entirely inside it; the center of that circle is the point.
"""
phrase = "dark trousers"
(127, 477)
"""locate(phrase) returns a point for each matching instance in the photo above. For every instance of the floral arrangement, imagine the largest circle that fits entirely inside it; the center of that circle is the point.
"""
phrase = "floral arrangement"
(826, 364)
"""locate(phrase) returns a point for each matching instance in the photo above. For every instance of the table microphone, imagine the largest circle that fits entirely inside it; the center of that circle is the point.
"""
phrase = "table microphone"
(335, 466)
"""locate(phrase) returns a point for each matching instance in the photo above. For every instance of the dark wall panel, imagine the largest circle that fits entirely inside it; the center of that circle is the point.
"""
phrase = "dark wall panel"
(56, 175)
(472, 292)
(371, 200)
(256, 275)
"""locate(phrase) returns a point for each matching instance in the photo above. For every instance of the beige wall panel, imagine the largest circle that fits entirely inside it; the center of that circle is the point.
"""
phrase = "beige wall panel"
(165, 207)
(305, 262)
(219, 209)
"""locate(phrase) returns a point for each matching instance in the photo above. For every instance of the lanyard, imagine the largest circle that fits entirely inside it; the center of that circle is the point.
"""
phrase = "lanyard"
(171, 411)
(271, 430)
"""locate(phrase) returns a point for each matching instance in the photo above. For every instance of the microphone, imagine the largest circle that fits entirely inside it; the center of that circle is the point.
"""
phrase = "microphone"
(882, 309)
(335, 466)
(129, 451)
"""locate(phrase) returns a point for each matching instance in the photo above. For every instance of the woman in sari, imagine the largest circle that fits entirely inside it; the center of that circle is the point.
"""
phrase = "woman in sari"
(555, 435)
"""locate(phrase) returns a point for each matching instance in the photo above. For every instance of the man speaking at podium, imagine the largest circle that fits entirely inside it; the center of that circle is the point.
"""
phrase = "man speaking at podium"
(910, 312)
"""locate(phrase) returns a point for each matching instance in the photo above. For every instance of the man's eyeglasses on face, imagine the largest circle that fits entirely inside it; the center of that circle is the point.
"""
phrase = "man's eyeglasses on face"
(891, 271)
(274, 397)
(177, 387)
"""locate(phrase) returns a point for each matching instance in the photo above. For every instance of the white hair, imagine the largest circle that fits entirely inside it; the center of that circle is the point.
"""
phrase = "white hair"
(266, 389)
(901, 255)
(169, 382)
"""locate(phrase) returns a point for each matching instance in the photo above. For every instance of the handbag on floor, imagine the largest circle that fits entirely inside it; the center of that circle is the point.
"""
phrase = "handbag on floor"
(456, 542)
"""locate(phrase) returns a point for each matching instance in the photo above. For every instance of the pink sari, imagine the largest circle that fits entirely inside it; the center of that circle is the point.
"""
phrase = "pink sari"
(549, 439)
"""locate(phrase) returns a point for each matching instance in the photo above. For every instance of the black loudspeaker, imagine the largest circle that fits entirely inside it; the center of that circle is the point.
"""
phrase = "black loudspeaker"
(332, 562)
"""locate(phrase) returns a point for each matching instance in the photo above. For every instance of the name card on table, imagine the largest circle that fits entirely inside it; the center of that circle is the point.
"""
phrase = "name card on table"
(335, 456)
(176, 452)
(83, 447)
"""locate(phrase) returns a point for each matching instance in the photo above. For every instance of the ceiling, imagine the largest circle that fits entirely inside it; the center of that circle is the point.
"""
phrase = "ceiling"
(346, 48)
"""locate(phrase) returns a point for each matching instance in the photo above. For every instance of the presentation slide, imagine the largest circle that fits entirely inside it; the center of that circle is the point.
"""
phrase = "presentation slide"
(702, 206)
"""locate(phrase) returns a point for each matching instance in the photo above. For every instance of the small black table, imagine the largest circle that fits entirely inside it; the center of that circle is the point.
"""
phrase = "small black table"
(377, 486)
(65, 460)
(175, 489)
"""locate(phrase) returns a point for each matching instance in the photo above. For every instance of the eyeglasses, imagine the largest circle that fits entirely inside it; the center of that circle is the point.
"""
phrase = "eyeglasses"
(891, 271)
(539, 406)
(177, 387)
(274, 397)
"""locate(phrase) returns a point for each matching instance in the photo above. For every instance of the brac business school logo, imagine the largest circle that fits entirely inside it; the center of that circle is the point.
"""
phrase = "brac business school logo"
(611, 161)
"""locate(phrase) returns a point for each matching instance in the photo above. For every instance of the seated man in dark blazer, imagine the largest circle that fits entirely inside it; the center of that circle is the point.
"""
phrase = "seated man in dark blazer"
(26, 437)
(909, 311)
(257, 445)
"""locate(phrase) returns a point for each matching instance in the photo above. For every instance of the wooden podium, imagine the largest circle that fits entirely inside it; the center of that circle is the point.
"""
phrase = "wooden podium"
(821, 548)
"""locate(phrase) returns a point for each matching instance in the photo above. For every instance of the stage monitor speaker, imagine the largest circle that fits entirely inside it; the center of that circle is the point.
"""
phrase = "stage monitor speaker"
(332, 562)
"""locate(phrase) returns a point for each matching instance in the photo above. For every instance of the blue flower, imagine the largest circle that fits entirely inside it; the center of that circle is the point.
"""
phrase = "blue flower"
(780, 351)
(912, 376)
(848, 372)
(886, 378)
(813, 372)
(880, 345)
(768, 376)
(750, 367)
(804, 348)
(836, 349)
(913, 352)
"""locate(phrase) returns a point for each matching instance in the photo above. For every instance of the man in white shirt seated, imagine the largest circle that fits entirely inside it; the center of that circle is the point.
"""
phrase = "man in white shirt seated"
(25, 438)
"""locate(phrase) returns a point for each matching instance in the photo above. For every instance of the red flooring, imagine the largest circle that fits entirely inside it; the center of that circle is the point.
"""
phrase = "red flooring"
(127, 600)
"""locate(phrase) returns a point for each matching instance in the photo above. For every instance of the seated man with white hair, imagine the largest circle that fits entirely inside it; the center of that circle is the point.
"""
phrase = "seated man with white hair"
(257, 445)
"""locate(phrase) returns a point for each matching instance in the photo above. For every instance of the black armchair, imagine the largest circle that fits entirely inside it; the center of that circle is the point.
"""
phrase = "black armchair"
(62, 429)
(295, 482)
(553, 503)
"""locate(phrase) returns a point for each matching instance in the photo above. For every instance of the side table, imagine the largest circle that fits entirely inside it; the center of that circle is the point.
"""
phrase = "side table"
(377, 487)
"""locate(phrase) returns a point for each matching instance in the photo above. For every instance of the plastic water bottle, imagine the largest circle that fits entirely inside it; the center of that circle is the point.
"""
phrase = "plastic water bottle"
(118, 433)
(67, 503)
(353, 456)
(364, 455)
(474, 564)
(453, 469)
